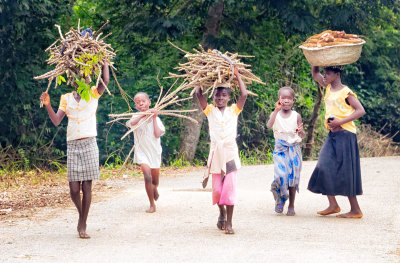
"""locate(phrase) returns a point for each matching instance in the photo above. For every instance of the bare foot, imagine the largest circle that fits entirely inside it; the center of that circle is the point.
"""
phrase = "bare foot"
(329, 210)
(152, 209)
(221, 223)
(156, 194)
(351, 215)
(79, 228)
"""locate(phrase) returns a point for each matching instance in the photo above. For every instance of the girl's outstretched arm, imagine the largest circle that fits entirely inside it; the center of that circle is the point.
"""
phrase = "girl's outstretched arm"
(56, 118)
(318, 76)
(200, 97)
(358, 113)
(243, 91)
(106, 78)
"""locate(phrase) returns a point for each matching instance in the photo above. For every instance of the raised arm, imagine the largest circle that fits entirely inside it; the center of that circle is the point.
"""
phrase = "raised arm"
(105, 77)
(56, 118)
(272, 117)
(200, 97)
(243, 91)
(316, 74)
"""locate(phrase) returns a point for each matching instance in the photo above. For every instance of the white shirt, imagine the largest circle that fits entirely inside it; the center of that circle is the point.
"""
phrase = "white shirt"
(81, 115)
(285, 128)
(223, 132)
(147, 147)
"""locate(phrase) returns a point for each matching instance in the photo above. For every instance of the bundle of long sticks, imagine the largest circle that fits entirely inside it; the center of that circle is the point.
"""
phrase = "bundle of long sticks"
(212, 69)
(170, 98)
(79, 56)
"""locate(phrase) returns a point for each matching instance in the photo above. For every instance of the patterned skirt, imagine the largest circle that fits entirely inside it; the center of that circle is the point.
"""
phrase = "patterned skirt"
(287, 169)
(83, 160)
(338, 169)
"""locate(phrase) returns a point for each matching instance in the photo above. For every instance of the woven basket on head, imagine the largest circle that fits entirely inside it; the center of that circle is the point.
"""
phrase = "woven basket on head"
(333, 55)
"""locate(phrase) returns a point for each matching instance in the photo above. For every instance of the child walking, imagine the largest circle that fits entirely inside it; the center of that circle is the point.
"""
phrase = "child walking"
(288, 132)
(223, 160)
(82, 150)
(338, 168)
(148, 147)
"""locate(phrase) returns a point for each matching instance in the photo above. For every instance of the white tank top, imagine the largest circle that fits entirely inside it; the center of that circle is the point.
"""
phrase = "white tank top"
(285, 128)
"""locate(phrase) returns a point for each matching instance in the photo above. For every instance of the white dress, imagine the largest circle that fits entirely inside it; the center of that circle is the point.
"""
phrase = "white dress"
(285, 128)
(147, 147)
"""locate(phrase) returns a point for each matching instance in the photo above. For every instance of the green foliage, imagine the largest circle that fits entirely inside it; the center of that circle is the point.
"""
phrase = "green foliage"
(26, 29)
(269, 30)
(84, 89)
(179, 162)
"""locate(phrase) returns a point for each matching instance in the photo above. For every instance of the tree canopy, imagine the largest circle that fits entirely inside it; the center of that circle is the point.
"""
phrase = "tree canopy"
(269, 30)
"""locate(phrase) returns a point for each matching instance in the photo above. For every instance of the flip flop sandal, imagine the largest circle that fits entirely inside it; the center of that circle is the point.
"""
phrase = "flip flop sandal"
(83, 235)
(221, 224)
(229, 231)
(279, 208)
(291, 212)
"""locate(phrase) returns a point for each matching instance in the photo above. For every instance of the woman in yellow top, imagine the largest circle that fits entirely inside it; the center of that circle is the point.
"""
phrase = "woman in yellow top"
(338, 169)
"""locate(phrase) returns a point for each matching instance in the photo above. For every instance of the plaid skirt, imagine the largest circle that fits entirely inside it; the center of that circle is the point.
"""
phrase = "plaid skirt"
(83, 160)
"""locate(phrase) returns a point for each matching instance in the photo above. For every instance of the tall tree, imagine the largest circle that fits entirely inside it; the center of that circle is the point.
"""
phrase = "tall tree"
(191, 134)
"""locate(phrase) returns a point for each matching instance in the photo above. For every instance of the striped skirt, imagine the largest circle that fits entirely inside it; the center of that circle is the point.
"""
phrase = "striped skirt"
(83, 160)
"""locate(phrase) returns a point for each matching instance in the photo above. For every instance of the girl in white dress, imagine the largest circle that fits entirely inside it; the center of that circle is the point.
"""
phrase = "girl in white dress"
(148, 147)
(288, 132)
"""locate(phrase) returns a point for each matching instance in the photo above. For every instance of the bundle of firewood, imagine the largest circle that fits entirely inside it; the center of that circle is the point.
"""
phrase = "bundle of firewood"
(80, 55)
(211, 69)
(332, 38)
(170, 98)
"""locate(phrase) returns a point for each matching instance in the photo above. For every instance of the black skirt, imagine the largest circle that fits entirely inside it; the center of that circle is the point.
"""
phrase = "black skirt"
(338, 169)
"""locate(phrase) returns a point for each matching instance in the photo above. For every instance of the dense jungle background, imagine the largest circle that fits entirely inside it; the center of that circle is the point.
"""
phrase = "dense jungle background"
(271, 31)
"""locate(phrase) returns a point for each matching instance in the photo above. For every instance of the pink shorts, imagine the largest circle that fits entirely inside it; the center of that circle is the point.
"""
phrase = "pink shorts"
(224, 192)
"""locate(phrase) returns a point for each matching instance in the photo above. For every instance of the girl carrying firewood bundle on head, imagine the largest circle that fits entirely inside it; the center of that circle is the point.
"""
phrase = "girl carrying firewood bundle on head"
(148, 146)
(223, 160)
(338, 169)
(82, 150)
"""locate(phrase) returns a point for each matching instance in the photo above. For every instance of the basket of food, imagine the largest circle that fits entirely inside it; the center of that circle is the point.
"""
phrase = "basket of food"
(332, 48)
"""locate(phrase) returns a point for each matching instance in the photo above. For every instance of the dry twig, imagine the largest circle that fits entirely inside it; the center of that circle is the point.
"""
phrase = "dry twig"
(213, 69)
(170, 98)
(79, 56)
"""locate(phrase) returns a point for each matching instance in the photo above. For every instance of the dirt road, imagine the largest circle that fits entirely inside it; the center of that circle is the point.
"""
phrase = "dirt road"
(184, 230)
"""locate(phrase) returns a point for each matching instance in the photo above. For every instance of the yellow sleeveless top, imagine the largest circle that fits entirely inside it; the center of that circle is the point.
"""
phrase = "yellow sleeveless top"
(335, 105)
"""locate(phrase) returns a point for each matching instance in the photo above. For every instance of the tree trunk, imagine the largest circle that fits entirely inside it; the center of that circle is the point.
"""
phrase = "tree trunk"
(191, 134)
(311, 125)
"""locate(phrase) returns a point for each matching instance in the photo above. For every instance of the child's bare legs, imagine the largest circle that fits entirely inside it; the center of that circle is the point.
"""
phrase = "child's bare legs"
(149, 187)
(355, 210)
(155, 174)
(81, 205)
(86, 201)
(228, 225)
(332, 208)
(292, 196)
(75, 193)
(222, 217)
